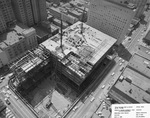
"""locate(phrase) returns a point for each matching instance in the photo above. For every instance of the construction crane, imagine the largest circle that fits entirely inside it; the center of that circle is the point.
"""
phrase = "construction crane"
(82, 20)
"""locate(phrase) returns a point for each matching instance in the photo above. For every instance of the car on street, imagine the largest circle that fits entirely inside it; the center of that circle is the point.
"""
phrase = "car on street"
(75, 108)
(7, 101)
(121, 69)
(120, 64)
(92, 99)
(103, 87)
(2, 78)
(99, 113)
(113, 74)
(123, 61)
(8, 91)
(16, 97)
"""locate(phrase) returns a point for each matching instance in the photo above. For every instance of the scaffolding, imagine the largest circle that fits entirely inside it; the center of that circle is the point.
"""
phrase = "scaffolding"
(33, 58)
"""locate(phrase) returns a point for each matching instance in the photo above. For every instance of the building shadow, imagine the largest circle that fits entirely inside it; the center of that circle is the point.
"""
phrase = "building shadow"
(124, 53)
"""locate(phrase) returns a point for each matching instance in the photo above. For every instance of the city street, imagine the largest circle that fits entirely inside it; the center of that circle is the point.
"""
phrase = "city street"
(88, 108)
(19, 109)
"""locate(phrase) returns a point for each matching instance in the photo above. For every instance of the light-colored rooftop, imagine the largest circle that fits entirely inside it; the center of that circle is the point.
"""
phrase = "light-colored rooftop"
(140, 64)
(93, 42)
(29, 31)
(10, 38)
(133, 87)
(90, 46)
(137, 79)
(144, 52)
(3, 45)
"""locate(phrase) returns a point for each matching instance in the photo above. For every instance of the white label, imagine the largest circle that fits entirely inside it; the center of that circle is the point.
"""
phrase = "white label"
(130, 111)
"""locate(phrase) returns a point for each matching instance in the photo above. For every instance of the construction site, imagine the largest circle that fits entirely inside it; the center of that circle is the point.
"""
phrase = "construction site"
(52, 76)
(36, 81)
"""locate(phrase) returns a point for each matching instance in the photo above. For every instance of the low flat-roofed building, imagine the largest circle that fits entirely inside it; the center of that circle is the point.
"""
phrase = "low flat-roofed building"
(11, 38)
(76, 4)
(81, 52)
(69, 18)
(55, 12)
(54, 29)
(76, 14)
(140, 64)
(144, 52)
(16, 42)
(58, 23)
(133, 88)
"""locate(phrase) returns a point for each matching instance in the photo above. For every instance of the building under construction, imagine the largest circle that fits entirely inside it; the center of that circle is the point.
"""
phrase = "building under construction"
(31, 68)
(79, 51)
(75, 54)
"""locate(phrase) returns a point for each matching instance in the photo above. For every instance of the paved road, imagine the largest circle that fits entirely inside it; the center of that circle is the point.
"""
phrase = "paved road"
(17, 106)
(99, 92)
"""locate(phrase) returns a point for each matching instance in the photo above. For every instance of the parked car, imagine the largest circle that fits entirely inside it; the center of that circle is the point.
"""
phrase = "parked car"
(7, 101)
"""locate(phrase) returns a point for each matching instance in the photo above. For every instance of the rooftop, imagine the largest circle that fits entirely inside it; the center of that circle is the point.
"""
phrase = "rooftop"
(28, 32)
(140, 64)
(13, 36)
(144, 52)
(88, 47)
(10, 38)
(133, 88)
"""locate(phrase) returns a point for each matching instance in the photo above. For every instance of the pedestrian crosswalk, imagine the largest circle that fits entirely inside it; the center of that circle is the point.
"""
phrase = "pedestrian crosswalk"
(9, 114)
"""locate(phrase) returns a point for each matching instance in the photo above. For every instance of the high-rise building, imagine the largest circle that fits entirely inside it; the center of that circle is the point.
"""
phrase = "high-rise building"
(30, 12)
(110, 17)
(3, 25)
(7, 11)
(23, 11)
(39, 10)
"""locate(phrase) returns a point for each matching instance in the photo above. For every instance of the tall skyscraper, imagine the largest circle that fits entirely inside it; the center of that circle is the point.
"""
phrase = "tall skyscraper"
(7, 10)
(3, 25)
(23, 11)
(30, 12)
(111, 18)
(39, 10)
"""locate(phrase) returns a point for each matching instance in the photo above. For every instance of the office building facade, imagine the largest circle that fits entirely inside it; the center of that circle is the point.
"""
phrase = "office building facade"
(39, 10)
(111, 18)
(3, 25)
(7, 11)
(30, 12)
(15, 43)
